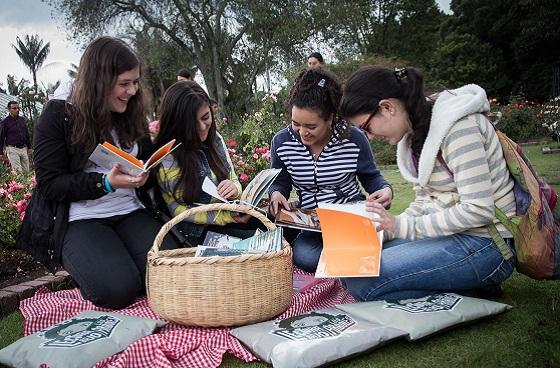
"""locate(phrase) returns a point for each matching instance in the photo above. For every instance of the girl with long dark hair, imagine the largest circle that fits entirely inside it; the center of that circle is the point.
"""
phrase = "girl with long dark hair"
(449, 151)
(86, 218)
(187, 117)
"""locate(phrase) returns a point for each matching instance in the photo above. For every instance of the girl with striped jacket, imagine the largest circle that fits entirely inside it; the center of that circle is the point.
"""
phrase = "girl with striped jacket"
(449, 151)
(186, 116)
(321, 156)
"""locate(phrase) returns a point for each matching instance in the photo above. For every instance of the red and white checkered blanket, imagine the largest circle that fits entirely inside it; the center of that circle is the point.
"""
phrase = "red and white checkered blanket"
(173, 345)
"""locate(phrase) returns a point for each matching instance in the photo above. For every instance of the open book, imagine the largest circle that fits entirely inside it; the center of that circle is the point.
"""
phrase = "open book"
(254, 191)
(298, 218)
(351, 245)
(106, 154)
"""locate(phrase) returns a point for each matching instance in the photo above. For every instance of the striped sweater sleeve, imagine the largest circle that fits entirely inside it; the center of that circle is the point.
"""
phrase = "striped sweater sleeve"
(167, 177)
(470, 205)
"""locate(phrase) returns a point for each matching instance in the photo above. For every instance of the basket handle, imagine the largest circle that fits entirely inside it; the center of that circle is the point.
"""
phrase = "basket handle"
(234, 207)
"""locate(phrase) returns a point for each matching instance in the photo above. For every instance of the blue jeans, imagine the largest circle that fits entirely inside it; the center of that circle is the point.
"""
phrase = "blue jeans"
(416, 268)
(306, 249)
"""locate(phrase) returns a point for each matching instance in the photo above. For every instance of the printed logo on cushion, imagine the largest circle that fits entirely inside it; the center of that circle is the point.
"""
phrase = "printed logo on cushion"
(79, 331)
(431, 303)
(313, 325)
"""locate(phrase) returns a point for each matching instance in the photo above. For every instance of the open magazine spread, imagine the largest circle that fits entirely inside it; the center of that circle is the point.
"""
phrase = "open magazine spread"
(261, 242)
(254, 191)
(351, 245)
(106, 155)
(298, 218)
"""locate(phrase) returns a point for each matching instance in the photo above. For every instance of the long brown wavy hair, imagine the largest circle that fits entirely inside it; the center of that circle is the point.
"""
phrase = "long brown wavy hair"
(102, 62)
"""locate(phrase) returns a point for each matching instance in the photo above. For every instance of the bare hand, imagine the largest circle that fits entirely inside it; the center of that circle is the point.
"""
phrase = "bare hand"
(386, 220)
(227, 189)
(277, 200)
(383, 196)
(240, 218)
(118, 179)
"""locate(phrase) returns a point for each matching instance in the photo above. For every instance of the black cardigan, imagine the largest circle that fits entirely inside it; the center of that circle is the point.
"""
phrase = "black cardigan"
(60, 181)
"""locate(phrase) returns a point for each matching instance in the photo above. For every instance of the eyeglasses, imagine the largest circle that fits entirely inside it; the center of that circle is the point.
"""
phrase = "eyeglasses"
(365, 126)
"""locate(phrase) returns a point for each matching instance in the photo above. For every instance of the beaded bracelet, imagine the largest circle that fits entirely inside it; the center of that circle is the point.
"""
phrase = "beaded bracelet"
(107, 185)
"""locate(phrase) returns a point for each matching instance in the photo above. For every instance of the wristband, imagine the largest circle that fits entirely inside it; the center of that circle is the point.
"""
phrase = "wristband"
(107, 185)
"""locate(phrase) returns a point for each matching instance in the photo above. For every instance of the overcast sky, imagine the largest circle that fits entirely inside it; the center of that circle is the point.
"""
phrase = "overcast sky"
(21, 17)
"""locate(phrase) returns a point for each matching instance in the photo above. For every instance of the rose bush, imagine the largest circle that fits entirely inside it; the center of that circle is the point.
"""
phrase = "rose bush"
(549, 117)
(15, 192)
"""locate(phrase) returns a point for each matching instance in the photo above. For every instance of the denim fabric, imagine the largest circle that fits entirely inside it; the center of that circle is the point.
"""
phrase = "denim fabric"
(413, 269)
(307, 249)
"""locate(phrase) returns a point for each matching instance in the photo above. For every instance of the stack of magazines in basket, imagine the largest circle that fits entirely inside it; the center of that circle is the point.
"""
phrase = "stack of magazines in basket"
(216, 244)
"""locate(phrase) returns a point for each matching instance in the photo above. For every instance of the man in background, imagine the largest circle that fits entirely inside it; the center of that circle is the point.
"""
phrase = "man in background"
(185, 74)
(14, 139)
(315, 60)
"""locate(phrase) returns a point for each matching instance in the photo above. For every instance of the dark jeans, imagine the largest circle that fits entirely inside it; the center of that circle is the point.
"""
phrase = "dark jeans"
(107, 257)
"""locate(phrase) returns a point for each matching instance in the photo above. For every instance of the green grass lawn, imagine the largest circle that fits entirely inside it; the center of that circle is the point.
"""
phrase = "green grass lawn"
(526, 336)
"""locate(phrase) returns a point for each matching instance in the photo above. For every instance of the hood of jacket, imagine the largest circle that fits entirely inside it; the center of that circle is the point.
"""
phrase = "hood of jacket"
(450, 107)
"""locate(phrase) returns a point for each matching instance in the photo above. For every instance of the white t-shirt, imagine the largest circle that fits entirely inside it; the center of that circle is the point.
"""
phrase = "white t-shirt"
(120, 202)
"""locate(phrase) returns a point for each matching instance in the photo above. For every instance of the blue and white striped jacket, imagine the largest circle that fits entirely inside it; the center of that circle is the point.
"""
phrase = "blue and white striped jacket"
(332, 176)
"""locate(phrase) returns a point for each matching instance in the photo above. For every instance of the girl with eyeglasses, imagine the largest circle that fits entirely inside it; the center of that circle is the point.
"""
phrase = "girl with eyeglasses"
(449, 151)
(323, 157)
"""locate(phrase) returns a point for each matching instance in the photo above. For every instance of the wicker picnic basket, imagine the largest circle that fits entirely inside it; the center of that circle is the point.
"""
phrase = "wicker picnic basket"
(218, 291)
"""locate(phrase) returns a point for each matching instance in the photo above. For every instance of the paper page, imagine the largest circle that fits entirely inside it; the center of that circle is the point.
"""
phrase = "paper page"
(106, 158)
(351, 245)
(160, 154)
(127, 156)
(209, 187)
(298, 218)
(357, 208)
(258, 187)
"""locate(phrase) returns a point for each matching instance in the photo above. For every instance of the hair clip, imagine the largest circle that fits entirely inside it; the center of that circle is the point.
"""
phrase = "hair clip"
(401, 73)
(321, 83)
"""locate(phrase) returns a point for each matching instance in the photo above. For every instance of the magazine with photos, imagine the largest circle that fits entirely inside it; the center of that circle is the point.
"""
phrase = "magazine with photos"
(298, 218)
(261, 242)
(106, 155)
(351, 244)
(218, 240)
(253, 193)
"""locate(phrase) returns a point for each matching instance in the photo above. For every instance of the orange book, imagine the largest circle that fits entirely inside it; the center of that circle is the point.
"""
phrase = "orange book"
(106, 155)
(351, 244)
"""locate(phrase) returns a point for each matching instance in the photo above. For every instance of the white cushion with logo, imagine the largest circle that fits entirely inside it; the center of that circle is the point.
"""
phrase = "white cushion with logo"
(313, 339)
(425, 316)
(80, 341)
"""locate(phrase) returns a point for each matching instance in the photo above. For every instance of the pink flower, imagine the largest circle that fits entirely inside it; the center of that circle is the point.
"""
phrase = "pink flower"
(21, 205)
(232, 143)
(243, 177)
(154, 127)
(266, 155)
(27, 195)
(14, 186)
(255, 156)
(33, 181)
(21, 215)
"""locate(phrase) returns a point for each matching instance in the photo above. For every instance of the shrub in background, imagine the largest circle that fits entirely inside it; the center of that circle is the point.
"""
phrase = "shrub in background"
(519, 120)
(15, 192)
(549, 117)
